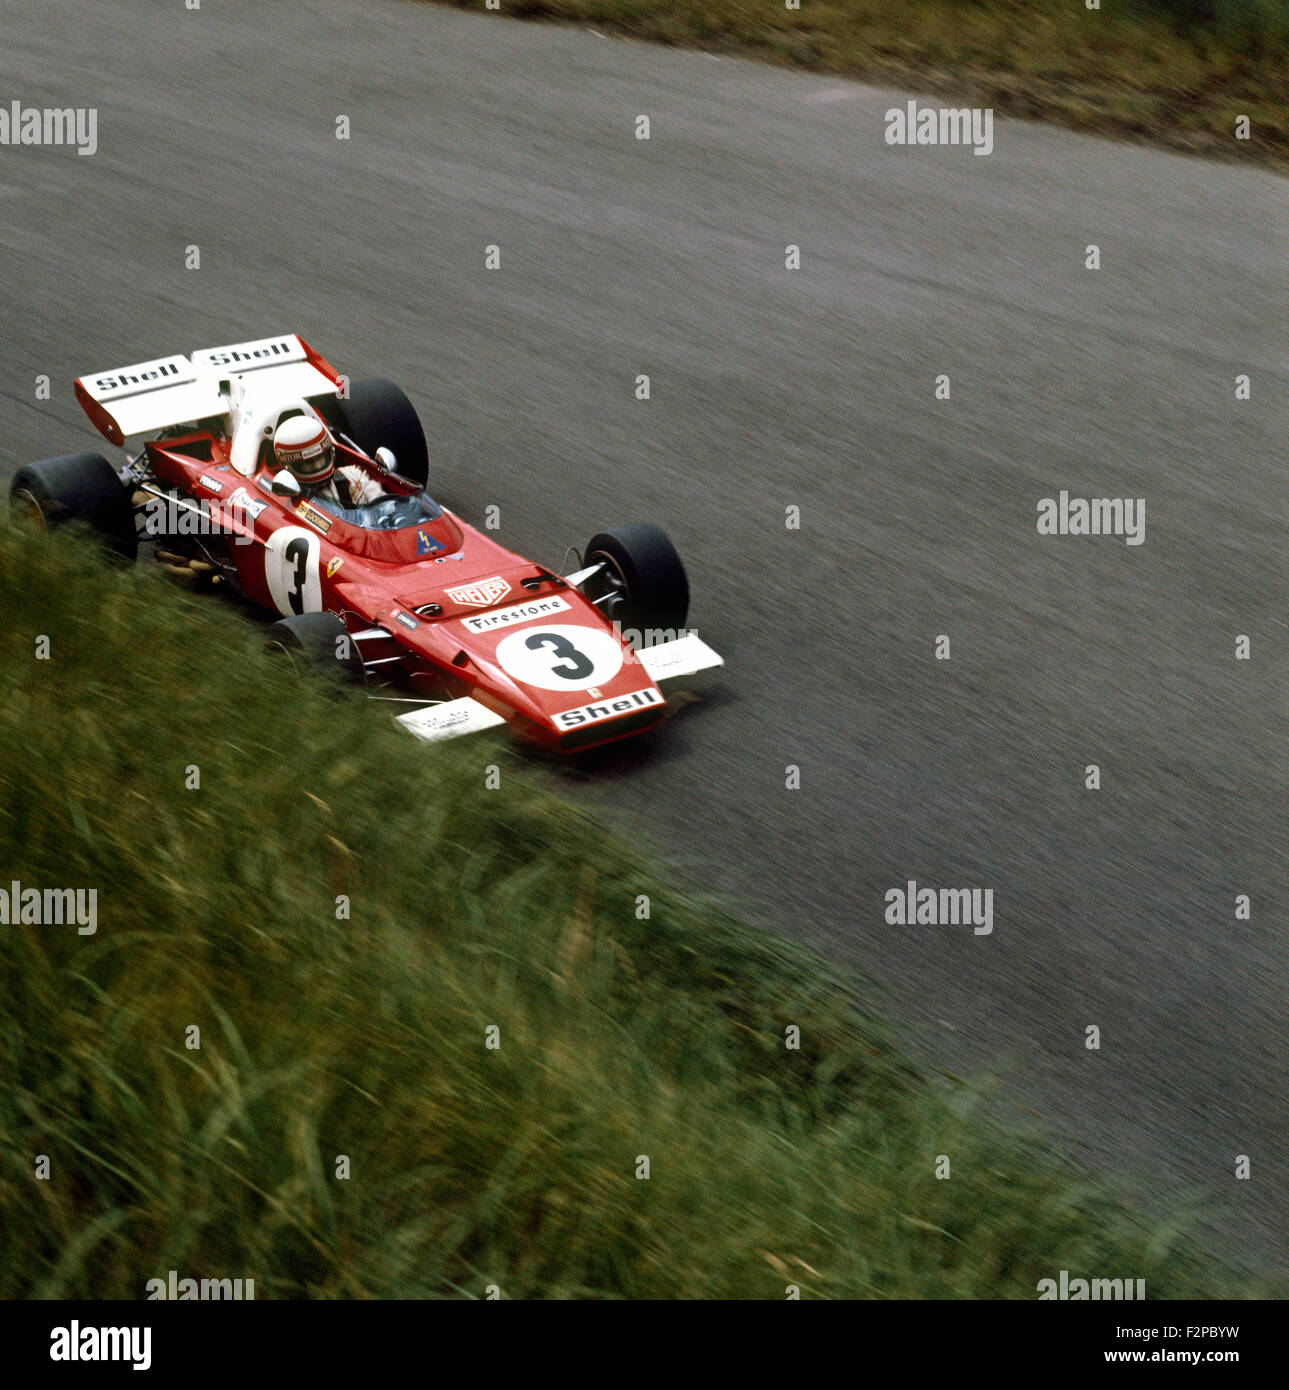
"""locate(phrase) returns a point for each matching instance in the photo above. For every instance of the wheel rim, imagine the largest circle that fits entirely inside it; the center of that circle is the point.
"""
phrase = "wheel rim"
(26, 509)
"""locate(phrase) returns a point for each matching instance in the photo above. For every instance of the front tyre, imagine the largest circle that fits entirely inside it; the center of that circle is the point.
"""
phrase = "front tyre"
(77, 487)
(318, 643)
(642, 583)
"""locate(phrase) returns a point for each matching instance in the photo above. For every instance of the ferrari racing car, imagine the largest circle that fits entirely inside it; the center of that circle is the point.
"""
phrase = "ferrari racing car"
(396, 589)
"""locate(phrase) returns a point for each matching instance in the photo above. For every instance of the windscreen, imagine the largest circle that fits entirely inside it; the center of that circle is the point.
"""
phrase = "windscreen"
(387, 513)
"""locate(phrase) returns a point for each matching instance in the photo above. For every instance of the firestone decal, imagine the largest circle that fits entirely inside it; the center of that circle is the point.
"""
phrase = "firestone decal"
(518, 613)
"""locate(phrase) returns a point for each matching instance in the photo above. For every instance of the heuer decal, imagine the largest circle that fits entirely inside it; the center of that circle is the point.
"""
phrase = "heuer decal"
(334, 564)
(407, 620)
(212, 483)
(242, 501)
(608, 709)
(517, 613)
(482, 594)
(314, 517)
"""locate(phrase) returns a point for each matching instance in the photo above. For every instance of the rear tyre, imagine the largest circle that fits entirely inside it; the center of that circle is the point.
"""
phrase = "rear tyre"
(318, 643)
(375, 414)
(643, 583)
(77, 487)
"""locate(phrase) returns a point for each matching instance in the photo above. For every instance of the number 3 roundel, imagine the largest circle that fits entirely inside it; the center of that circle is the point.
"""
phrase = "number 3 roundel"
(566, 657)
(291, 568)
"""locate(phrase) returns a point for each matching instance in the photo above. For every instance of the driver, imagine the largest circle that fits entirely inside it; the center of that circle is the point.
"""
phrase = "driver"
(304, 447)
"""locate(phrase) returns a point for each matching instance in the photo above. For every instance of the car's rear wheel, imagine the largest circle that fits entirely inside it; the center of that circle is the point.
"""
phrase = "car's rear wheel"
(318, 643)
(76, 487)
(642, 583)
(376, 414)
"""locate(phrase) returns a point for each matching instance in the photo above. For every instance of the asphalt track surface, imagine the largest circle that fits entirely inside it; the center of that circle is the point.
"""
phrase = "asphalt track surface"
(774, 388)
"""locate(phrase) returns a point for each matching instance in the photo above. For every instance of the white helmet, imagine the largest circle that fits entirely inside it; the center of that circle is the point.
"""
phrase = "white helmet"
(303, 446)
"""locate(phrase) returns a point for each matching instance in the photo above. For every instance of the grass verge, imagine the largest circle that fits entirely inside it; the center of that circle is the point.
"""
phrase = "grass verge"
(1174, 72)
(469, 909)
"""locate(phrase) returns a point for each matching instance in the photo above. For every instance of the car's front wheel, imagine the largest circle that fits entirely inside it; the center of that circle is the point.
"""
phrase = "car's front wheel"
(641, 583)
(318, 643)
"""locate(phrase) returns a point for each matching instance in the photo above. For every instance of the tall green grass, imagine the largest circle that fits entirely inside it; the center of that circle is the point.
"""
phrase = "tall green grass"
(621, 1036)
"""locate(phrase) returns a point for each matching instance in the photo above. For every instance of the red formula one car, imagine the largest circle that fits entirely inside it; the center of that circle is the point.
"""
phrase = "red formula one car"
(398, 587)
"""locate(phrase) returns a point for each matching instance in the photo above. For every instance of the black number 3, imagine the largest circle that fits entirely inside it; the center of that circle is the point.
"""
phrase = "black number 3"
(579, 664)
(297, 554)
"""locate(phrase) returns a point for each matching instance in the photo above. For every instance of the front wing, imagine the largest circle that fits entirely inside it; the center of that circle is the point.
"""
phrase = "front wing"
(686, 656)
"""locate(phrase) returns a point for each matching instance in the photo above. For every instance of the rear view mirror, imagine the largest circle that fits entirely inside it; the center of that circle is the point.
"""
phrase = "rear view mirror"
(285, 484)
(385, 457)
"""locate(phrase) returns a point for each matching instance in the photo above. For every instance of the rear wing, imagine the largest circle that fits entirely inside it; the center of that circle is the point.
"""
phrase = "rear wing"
(180, 390)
